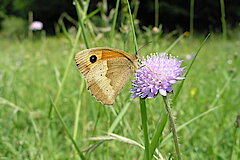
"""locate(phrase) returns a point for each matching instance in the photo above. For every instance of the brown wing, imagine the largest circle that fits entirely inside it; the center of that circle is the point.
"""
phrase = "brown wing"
(99, 84)
(119, 72)
(108, 74)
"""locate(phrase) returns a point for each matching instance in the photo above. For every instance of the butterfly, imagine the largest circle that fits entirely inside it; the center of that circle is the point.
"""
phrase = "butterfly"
(106, 70)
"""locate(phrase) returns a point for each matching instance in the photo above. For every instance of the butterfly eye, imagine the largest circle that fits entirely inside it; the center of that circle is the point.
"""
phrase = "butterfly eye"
(93, 58)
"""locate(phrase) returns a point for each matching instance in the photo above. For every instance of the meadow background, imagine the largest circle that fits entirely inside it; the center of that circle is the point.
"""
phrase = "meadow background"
(38, 73)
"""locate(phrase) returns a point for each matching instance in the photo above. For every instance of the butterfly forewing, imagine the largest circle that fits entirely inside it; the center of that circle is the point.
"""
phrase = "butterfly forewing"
(106, 70)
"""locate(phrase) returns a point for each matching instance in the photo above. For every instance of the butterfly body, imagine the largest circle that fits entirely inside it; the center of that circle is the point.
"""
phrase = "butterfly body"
(106, 70)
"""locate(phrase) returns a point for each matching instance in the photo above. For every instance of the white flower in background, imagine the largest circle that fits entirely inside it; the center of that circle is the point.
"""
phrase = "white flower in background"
(189, 56)
(36, 25)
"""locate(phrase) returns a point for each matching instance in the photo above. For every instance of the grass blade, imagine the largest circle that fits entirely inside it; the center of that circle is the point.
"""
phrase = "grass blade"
(112, 136)
(236, 141)
(68, 132)
(145, 127)
(68, 17)
(92, 14)
(133, 29)
(71, 54)
(158, 133)
(156, 13)
(7, 102)
(119, 117)
(65, 33)
(181, 84)
(78, 108)
(191, 17)
(81, 23)
(112, 127)
(175, 42)
(188, 122)
(223, 20)
(114, 21)
(66, 70)
(212, 108)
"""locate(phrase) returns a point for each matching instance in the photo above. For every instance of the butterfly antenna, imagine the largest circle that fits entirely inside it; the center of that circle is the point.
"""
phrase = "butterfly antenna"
(143, 47)
(140, 49)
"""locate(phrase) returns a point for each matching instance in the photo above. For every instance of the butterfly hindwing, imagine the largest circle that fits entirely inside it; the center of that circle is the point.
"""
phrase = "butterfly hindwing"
(106, 70)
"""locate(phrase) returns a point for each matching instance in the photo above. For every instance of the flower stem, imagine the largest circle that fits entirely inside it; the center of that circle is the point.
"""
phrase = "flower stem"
(145, 127)
(172, 127)
(191, 16)
(224, 24)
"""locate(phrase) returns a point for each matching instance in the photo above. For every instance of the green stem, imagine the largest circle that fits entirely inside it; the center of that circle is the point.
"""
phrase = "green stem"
(80, 19)
(175, 42)
(145, 127)
(114, 20)
(191, 16)
(79, 104)
(76, 122)
(30, 20)
(65, 32)
(233, 154)
(172, 127)
(66, 70)
(236, 142)
(133, 29)
(224, 26)
(156, 13)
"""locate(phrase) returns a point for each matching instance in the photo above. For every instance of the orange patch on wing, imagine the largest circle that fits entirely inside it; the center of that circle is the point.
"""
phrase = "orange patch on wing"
(107, 54)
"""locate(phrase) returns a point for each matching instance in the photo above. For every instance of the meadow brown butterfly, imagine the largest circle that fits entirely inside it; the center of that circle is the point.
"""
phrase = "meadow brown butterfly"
(106, 70)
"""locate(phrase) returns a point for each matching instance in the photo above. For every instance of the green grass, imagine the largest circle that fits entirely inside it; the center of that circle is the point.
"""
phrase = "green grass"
(31, 72)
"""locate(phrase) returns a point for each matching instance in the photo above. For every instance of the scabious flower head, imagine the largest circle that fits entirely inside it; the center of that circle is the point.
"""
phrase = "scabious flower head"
(156, 74)
(36, 25)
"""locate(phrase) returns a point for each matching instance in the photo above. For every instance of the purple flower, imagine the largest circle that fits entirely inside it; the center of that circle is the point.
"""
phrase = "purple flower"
(36, 25)
(156, 74)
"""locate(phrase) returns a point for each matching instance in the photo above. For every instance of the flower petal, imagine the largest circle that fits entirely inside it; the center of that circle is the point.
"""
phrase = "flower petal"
(163, 92)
